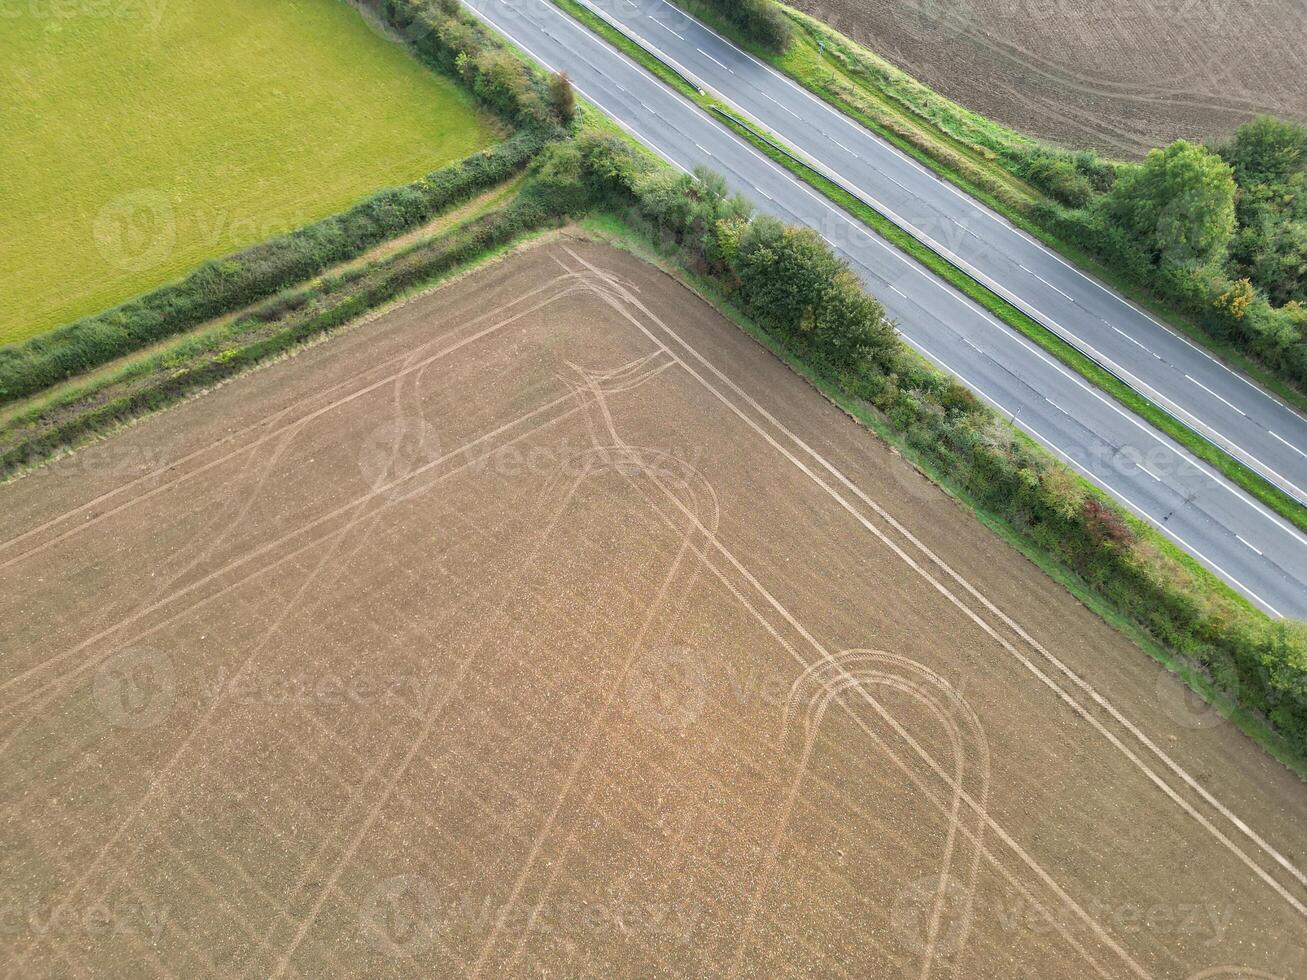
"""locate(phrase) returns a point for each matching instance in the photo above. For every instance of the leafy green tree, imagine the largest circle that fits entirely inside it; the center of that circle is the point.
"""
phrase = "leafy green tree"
(1269, 159)
(1266, 151)
(557, 181)
(792, 281)
(1280, 265)
(501, 79)
(1179, 204)
(785, 272)
(849, 323)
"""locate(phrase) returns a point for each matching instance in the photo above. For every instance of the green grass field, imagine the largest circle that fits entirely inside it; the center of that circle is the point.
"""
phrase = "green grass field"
(140, 138)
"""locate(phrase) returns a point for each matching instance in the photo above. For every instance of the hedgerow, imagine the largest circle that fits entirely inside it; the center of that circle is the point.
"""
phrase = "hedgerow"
(1266, 253)
(791, 284)
(760, 21)
(222, 286)
(273, 328)
(446, 37)
(440, 33)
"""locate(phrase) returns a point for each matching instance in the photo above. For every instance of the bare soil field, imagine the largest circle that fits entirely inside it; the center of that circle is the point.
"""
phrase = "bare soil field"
(547, 625)
(1120, 76)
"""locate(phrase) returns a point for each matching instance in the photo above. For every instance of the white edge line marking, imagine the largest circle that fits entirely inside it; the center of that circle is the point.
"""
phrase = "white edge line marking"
(1094, 478)
(1287, 443)
(666, 28)
(717, 63)
(1219, 481)
(1046, 283)
(1201, 790)
(658, 151)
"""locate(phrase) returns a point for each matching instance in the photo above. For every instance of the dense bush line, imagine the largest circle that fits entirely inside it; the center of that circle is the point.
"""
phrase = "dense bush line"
(273, 328)
(447, 38)
(792, 285)
(760, 21)
(1219, 233)
(224, 285)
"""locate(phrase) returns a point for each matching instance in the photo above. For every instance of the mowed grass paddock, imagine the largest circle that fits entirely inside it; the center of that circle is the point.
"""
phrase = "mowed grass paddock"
(140, 139)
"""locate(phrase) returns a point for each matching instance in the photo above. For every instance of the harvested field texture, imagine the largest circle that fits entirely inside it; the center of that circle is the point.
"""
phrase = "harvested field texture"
(546, 625)
(142, 137)
(1121, 76)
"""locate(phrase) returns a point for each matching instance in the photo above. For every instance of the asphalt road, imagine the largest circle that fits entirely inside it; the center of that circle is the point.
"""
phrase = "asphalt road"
(1245, 420)
(1255, 550)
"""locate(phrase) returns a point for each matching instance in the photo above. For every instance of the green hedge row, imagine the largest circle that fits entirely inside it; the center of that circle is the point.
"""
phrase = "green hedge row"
(1251, 296)
(221, 286)
(443, 35)
(790, 282)
(282, 324)
(760, 21)
(1219, 233)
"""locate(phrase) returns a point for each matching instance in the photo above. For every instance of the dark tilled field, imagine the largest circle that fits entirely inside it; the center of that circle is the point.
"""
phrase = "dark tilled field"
(546, 625)
(1121, 76)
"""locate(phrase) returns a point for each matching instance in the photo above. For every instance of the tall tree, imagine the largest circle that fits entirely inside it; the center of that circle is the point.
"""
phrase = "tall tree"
(1179, 203)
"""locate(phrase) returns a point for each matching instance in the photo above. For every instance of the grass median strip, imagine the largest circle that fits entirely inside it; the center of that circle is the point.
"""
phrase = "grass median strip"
(1235, 471)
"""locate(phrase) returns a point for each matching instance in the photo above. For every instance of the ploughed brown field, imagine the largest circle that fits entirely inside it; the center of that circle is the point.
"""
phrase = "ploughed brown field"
(1121, 76)
(547, 625)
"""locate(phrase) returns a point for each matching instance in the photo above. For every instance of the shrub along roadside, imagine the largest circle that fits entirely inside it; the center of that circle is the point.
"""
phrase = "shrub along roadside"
(444, 36)
(787, 280)
(223, 286)
(814, 308)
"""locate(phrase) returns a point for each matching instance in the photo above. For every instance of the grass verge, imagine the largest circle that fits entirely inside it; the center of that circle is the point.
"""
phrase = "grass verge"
(1234, 470)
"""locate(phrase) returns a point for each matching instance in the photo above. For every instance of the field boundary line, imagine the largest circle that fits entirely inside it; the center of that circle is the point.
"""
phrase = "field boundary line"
(1048, 681)
(1248, 480)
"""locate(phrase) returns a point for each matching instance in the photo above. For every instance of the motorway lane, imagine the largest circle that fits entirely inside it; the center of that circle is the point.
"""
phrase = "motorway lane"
(1254, 549)
(1218, 402)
